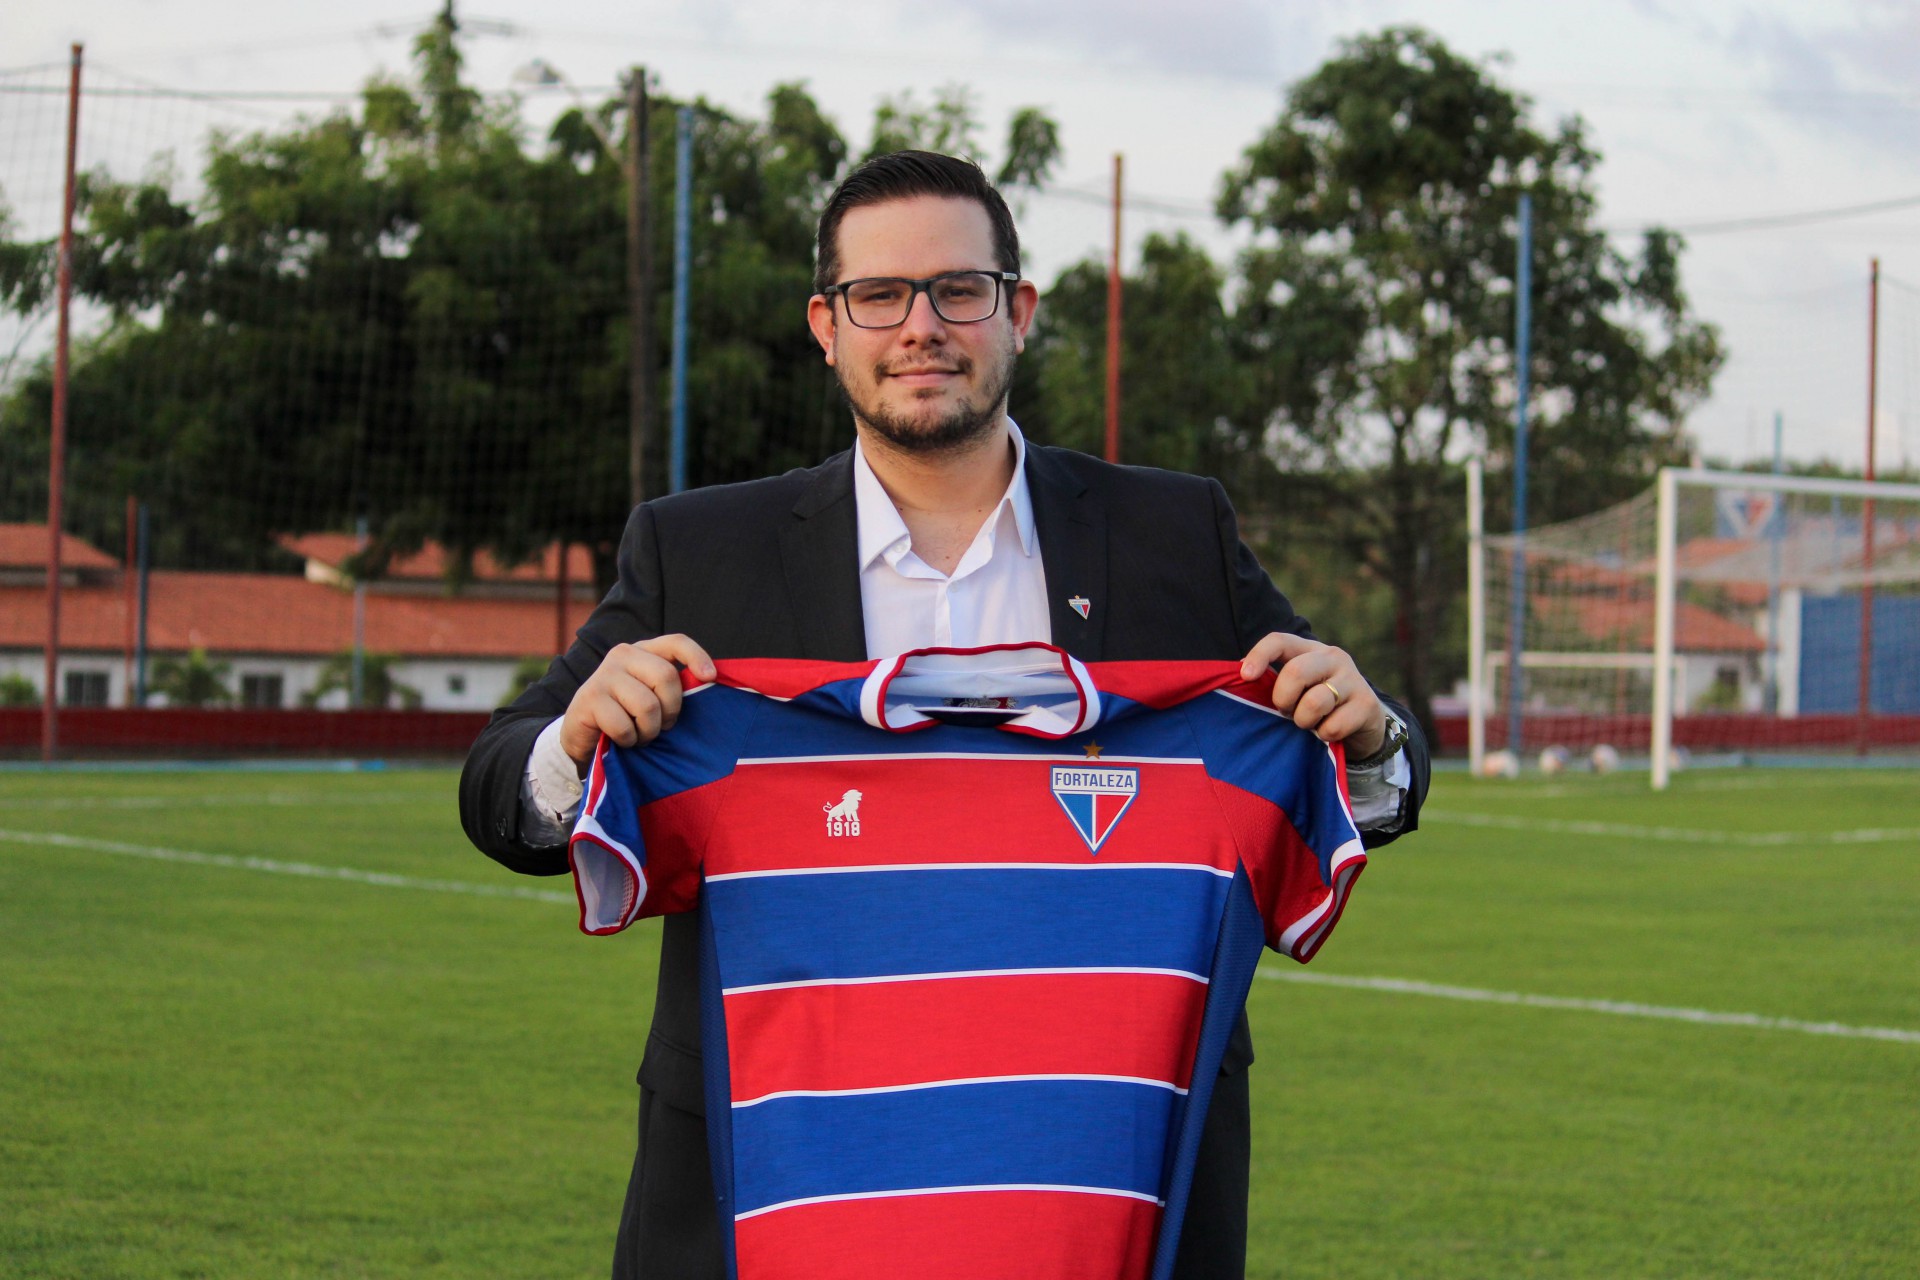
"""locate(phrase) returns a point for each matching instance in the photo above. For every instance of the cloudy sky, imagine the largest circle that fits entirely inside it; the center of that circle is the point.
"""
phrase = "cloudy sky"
(1709, 113)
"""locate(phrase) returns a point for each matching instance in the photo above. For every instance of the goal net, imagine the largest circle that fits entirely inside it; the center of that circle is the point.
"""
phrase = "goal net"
(1718, 613)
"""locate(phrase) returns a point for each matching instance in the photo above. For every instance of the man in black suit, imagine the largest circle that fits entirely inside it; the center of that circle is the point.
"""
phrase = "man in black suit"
(941, 526)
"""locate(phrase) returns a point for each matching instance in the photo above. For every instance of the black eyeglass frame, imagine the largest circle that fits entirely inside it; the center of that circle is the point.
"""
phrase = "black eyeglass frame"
(1001, 280)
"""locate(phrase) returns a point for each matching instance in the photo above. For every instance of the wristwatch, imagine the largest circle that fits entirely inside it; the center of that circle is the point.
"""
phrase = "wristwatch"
(1396, 738)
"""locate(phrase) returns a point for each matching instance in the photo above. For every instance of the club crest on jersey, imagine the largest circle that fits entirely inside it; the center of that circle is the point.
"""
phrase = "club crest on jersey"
(1095, 798)
(843, 819)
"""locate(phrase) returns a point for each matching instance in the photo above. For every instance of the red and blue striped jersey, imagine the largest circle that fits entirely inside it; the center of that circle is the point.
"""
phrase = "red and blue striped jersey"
(976, 927)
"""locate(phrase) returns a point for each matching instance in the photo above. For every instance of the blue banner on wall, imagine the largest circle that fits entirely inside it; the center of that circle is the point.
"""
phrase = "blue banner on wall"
(1830, 655)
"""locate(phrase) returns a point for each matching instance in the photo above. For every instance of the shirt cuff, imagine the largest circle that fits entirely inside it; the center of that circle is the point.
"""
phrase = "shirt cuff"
(550, 791)
(1378, 793)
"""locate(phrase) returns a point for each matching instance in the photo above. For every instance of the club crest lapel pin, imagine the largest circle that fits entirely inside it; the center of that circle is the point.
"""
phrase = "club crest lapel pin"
(1081, 605)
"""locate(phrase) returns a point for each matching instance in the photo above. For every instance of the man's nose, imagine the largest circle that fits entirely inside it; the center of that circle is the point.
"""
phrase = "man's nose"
(923, 323)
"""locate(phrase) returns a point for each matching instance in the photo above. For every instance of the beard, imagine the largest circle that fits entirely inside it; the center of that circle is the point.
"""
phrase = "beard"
(934, 431)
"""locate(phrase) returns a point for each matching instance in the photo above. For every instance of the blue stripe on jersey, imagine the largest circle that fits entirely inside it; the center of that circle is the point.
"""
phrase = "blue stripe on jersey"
(1242, 938)
(795, 928)
(1277, 760)
(715, 720)
(1080, 1133)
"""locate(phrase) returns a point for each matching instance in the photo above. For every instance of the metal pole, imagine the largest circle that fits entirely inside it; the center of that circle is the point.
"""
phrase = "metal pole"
(1476, 620)
(1776, 526)
(1114, 289)
(128, 586)
(1666, 514)
(57, 447)
(639, 286)
(144, 557)
(682, 253)
(1867, 513)
(358, 685)
(1522, 355)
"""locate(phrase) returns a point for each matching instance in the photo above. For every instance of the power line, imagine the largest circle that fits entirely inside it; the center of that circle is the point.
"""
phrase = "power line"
(1787, 219)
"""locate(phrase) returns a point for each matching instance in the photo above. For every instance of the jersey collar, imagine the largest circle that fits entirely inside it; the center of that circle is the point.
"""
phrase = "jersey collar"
(1035, 689)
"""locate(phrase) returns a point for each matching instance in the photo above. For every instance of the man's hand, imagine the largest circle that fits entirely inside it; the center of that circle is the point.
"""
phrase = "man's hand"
(1311, 675)
(634, 697)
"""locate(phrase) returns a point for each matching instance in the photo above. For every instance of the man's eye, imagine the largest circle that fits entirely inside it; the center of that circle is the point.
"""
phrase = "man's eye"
(877, 291)
(964, 289)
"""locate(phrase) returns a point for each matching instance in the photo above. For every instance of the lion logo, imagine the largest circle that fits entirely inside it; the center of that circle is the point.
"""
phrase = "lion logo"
(843, 819)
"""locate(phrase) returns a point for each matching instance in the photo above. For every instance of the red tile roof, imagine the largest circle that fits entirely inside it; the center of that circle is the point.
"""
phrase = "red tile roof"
(24, 546)
(1695, 630)
(430, 562)
(231, 613)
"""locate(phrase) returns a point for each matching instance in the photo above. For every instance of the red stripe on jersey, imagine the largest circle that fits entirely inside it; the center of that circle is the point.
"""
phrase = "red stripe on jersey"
(1287, 884)
(969, 1235)
(871, 1035)
(672, 862)
(779, 677)
(906, 808)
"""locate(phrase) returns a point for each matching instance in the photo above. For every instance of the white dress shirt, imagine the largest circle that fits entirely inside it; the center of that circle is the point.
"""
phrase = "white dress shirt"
(996, 594)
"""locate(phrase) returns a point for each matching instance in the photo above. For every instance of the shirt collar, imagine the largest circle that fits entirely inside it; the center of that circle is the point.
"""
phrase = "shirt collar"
(881, 527)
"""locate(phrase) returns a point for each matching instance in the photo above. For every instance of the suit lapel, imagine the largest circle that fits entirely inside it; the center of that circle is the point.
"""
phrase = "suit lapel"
(819, 552)
(1072, 527)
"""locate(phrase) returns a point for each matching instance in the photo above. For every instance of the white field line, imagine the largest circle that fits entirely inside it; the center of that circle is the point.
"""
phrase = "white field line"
(1619, 1008)
(310, 870)
(1400, 986)
(1683, 835)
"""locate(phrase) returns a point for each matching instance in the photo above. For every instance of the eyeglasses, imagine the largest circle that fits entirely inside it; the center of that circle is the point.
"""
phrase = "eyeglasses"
(958, 297)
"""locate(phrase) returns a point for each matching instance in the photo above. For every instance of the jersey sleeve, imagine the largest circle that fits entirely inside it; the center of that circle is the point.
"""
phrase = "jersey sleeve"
(1284, 797)
(637, 847)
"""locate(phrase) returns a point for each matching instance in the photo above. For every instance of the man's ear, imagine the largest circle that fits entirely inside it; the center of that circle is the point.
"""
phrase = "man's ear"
(820, 320)
(1023, 305)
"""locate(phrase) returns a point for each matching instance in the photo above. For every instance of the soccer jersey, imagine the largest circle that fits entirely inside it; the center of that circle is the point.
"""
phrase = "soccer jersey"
(976, 928)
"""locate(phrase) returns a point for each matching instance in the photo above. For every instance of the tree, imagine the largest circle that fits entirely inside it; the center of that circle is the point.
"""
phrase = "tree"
(1181, 391)
(405, 313)
(193, 681)
(18, 691)
(378, 685)
(1375, 315)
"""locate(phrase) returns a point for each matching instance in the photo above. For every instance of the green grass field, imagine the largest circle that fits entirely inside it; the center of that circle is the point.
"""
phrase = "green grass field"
(216, 1068)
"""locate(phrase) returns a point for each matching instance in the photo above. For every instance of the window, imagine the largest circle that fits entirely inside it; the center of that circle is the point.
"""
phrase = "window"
(456, 684)
(86, 689)
(262, 689)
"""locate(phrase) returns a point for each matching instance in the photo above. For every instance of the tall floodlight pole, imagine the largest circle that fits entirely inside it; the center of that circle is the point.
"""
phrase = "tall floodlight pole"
(57, 447)
(1522, 355)
(1113, 325)
(1776, 527)
(1866, 512)
(1476, 620)
(682, 253)
(639, 286)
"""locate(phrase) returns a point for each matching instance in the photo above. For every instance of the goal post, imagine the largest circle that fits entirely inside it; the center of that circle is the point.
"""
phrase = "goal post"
(1728, 614)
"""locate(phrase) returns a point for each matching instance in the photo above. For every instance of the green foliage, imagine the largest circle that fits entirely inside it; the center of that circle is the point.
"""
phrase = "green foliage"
(406, 312)
(193, 681)
(1376, 313)
(526, 673)
(18, 691)
(379, 688)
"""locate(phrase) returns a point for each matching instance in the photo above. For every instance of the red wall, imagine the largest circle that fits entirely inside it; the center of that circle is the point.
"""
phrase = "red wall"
(96, 731)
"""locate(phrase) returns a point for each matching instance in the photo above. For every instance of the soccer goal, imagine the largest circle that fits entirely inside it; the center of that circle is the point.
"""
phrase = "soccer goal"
(1723, 614)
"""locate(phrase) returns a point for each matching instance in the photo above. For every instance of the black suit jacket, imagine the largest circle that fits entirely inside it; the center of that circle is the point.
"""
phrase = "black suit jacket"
(769, 569)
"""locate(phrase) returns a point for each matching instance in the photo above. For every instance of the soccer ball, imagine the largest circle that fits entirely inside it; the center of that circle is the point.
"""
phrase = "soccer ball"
(1604, 759)
(1553, 761)
(1500, 764)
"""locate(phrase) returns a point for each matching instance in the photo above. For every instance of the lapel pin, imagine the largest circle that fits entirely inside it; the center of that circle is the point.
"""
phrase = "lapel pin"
(1081, 605)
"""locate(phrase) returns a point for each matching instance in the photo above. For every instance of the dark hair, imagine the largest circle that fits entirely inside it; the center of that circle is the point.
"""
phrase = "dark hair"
(900, 175)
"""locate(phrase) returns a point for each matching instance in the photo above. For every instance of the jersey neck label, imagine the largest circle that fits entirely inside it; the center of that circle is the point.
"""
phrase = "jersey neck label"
(1095, 798)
